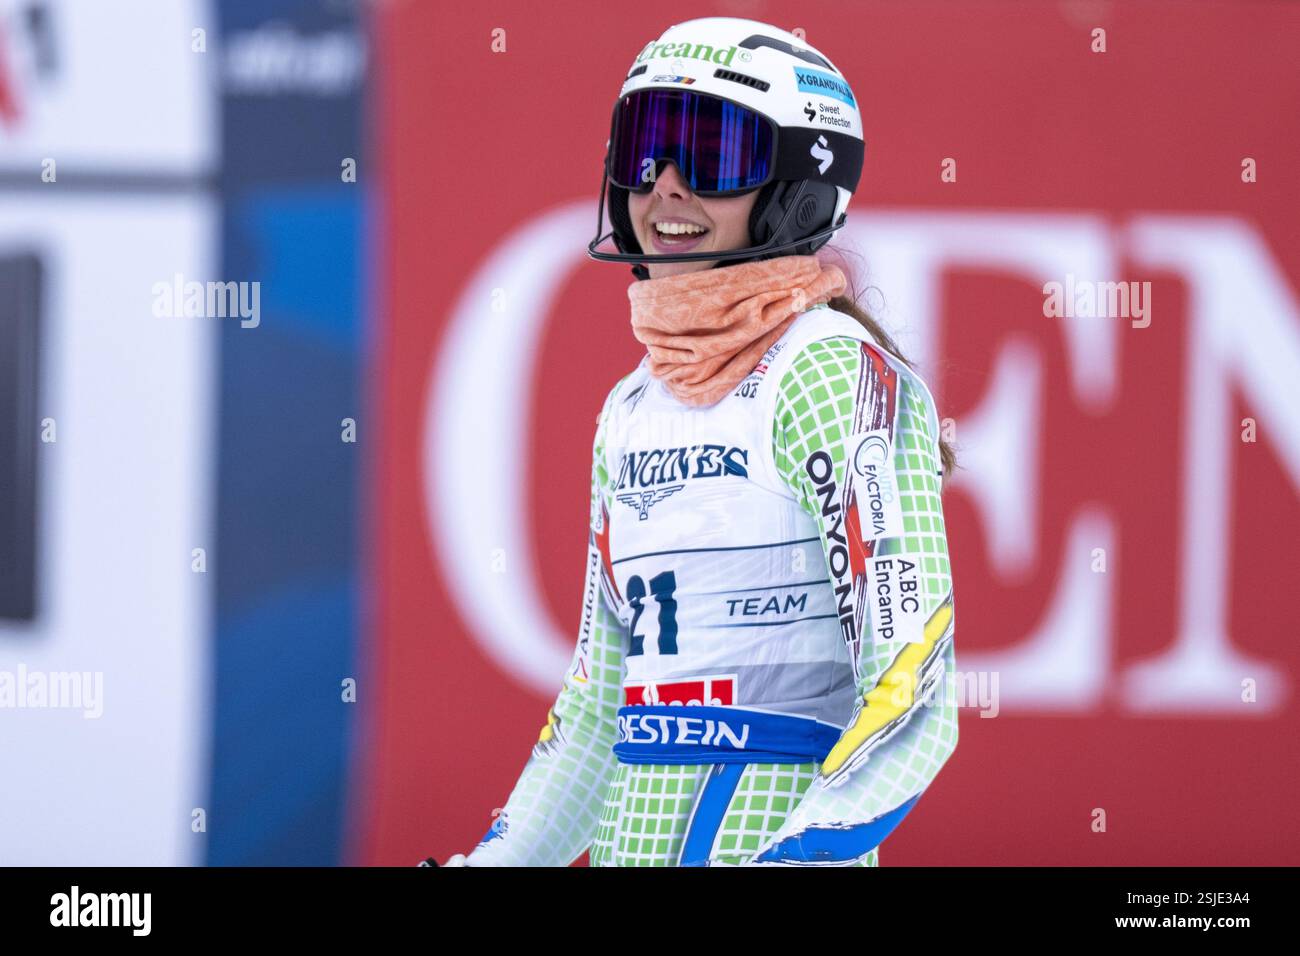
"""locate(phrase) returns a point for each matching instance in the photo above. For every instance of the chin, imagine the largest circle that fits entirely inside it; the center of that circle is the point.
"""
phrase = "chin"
(663, 270)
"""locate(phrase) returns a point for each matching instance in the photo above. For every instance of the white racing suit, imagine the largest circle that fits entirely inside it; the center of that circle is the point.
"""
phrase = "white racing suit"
(759, 676)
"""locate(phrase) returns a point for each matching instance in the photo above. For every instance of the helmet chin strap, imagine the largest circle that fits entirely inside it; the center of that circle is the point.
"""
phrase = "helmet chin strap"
(642, 271)
(723, 258)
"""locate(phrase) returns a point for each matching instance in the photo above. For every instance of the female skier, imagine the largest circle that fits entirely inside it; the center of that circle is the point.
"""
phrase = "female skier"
(768, 606)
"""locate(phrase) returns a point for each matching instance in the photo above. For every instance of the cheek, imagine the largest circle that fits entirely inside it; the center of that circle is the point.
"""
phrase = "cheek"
(733, 218)
(636, 207)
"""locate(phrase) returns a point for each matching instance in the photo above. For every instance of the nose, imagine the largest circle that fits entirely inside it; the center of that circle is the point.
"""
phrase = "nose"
(669, 182)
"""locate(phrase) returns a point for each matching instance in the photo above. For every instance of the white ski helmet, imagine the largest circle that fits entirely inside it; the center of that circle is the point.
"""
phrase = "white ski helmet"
(737, 105)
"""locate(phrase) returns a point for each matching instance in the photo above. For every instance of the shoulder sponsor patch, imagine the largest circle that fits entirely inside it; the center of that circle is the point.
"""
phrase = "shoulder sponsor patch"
(894, 596)
(870, 456)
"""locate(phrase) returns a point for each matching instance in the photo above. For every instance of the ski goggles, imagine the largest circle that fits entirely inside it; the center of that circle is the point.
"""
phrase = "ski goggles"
(719, 147)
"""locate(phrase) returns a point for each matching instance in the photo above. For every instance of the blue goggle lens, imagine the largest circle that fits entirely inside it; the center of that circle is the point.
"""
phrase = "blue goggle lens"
(717, 146)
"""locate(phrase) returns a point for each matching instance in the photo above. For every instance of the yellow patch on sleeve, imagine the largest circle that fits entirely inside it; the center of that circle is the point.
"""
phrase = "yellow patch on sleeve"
(894, 694)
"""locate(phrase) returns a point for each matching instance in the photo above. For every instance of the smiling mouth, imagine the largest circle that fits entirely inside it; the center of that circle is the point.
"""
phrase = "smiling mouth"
(676, 233)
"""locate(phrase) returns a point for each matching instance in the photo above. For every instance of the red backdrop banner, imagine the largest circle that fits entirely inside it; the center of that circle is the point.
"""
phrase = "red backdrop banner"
(1123, 529)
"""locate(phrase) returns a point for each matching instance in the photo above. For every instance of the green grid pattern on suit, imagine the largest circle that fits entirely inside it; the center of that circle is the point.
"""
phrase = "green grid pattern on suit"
(649, 805)
(764, 797)
(554, 808)
(814, 413)
(638, 814)
(646, 810)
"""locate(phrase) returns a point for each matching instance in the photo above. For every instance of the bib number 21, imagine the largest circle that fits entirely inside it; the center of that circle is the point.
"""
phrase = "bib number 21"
(662, 588)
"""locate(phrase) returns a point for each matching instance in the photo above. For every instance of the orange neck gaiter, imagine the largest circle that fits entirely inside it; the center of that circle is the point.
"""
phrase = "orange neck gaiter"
(705, 331)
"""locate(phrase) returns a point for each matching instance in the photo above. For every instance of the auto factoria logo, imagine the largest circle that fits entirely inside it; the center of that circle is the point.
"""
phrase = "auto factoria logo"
(691, 51)
(871, 458)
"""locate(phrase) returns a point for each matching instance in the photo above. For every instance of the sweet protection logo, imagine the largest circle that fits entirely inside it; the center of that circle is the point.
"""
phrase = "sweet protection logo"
(821, 152)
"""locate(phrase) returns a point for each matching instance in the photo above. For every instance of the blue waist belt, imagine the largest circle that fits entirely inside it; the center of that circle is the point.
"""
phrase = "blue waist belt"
(663, 733)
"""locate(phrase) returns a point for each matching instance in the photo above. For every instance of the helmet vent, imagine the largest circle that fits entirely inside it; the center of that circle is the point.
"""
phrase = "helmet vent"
(808, 56)
(806, 212)
(750, 81)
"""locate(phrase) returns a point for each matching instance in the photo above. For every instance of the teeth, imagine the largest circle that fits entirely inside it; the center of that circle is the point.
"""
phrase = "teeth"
(679, 229)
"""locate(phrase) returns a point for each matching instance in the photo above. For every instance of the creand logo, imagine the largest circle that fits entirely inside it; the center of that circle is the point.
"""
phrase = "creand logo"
(697, 51)
(671, 729)
(1042, 535)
